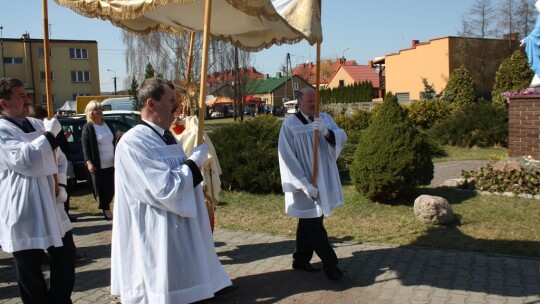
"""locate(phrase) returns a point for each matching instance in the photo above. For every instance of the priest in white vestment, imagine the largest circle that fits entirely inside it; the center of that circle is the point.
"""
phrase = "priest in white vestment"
(162, 246)
(29, 219)
(302, 199)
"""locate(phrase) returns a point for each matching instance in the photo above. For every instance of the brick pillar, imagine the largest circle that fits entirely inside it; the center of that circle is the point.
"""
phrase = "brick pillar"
(524, 126)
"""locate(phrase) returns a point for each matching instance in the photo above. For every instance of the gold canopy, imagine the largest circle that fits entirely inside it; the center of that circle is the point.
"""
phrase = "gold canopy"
(249, 24)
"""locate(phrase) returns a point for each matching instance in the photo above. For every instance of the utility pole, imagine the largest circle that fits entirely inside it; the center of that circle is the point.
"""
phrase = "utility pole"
(288, 71)
(2, 49)
(114, 78)
(343, 55)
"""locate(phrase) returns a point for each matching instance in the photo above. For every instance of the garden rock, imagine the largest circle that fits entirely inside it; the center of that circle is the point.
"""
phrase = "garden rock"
(433, 209)
(507, 165)
(455, 182)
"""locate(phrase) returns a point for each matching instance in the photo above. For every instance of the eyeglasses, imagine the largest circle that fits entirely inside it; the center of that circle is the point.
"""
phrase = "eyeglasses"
(98, 109)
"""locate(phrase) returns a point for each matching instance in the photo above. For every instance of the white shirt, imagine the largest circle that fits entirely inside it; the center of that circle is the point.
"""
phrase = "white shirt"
(162, 246)
(105, 139)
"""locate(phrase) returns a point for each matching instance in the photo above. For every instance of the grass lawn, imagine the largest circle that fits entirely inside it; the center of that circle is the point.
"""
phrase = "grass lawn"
(458, 153)
(492, 224)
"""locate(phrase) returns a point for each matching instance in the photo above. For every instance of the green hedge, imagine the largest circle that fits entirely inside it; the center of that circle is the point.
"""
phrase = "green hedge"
(426, 113)
(248, 156)
(481, 125)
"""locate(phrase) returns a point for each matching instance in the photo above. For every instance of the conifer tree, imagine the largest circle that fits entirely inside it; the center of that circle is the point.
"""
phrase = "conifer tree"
(149, 72)
(133, 92)
(514, 74)
(392, 157)
(460, 90)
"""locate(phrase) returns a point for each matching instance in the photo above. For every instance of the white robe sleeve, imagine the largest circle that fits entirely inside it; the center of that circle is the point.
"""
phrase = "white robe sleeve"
(33, 158)
(62, 162)
(339, 135)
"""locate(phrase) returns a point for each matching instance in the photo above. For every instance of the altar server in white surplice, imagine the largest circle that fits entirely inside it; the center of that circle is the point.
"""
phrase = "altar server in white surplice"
(302, 199)
(29, 220)
(162, 246)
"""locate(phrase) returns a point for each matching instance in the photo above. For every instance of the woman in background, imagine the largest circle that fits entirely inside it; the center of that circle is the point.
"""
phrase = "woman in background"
(98, 148)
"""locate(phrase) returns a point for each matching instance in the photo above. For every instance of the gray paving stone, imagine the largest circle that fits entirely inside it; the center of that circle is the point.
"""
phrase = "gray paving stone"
(376, 273)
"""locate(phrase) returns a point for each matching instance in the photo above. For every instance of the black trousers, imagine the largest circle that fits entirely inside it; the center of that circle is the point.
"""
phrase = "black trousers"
(311, 236)
(32, 285)
(106, 188)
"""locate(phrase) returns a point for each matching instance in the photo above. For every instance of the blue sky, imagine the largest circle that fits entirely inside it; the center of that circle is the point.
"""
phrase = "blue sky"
(358, 29)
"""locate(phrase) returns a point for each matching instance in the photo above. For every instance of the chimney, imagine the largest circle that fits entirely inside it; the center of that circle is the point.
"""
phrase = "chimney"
(266, 76)
(414, 43)
(370, 63)
(278, 75)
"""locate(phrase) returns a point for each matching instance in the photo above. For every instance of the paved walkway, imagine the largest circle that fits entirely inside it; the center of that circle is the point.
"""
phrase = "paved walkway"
(452, 169)
(260, 265)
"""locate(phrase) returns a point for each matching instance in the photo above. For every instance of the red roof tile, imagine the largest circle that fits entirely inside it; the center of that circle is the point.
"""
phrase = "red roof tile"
(361, 73)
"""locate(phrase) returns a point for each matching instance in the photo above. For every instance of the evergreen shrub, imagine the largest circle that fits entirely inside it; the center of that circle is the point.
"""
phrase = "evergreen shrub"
(426, 113)
(248, 156)
(460, 89)
(481, 125)
(352, 125)
(392, 156)
(514, 74)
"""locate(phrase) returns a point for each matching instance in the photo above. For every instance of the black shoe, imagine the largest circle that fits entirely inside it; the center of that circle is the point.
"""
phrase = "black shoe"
(108, 217)
(72, 218)
(79, 256)
(226, 290)
(334, 273)
(305, 267)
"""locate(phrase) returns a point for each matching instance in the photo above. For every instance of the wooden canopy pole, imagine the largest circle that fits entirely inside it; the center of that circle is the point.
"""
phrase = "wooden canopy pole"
(47, 54)
(204, 67)
(48, 82)
(318, 101)
(188, 72)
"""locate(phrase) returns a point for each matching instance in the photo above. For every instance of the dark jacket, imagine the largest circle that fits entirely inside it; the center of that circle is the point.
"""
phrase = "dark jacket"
(91, 151)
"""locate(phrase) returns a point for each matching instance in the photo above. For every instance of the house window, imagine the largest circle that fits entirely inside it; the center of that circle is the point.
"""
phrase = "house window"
(75, 96)
(341, 83)
(295, 86)
(44, 99)
(403, 97)
(41, 52)
(42, 75)
(80, 76)
(77, 53)
(13, 60)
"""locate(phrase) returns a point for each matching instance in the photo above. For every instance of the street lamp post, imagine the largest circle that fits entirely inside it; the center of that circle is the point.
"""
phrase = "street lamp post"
(2, 49)
(109, 70)
(343, 54)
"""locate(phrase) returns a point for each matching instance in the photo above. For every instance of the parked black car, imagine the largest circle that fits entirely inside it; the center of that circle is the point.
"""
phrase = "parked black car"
(130, 117)
(73, 131)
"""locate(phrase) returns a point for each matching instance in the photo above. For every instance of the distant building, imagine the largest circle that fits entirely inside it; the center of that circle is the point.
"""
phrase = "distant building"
(436, 59)
(276, 90)
(74, 67)
(222, 83)
(229, 76)
(349, 75)
(329, 67)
